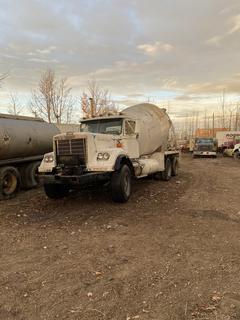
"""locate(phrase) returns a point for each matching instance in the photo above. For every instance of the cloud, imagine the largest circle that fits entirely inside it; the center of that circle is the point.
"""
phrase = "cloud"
(163, 50)
(47, 50)
(234, 21)
(216, 40)
(236, 24)
(155, 48)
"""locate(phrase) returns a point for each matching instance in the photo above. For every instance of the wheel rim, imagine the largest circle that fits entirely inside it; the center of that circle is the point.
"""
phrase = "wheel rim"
(127, 184)
(9, 183)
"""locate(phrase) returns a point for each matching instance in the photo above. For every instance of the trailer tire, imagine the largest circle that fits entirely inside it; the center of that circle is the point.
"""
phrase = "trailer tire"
(175, 166)
(56, 191)
(167, 173)
(121, 184)
(9, 182)
(29, 178)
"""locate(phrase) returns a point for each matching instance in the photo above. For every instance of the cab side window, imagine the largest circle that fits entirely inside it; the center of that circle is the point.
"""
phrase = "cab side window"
(130, 127)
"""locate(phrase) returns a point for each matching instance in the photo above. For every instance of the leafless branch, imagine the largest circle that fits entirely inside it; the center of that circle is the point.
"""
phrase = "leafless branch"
(52, 100)
(14, 105)
(96, 101)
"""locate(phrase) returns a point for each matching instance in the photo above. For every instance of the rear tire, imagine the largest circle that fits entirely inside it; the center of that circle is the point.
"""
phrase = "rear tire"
(167, 173)
(236, 155)
(9, 182)
(121, 185)
(56, 191)
(29, 178)
(175, 166)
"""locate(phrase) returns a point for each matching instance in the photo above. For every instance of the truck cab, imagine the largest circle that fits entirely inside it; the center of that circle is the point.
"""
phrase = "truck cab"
(206, 147)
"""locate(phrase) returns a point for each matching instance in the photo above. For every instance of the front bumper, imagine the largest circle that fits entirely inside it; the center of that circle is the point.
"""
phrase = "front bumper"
(75, 180)
(204, 153)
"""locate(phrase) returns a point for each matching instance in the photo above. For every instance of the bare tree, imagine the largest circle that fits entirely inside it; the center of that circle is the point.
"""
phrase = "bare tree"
(14, 105)
(52, 100)
(96, 101)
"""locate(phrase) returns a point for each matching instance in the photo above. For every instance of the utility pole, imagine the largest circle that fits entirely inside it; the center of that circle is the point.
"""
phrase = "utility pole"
(236, 117)
(223, 108)
(213, 125)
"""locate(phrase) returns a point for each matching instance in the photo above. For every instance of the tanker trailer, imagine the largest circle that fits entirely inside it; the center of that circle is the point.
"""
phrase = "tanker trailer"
(23, 142)
(137, 142)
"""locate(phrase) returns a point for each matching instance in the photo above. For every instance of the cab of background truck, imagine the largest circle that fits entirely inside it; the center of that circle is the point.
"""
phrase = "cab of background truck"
(205, 144)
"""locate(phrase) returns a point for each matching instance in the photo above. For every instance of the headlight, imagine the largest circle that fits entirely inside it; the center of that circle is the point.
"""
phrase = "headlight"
(48, 159)
(103, 156)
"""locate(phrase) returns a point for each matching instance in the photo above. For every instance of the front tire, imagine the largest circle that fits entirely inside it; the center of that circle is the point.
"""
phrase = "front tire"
(9, 182)
(121, 185)
(56, 191)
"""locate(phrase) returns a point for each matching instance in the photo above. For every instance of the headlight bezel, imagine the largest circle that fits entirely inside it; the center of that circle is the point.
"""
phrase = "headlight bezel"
(48, 159)
(103, 156)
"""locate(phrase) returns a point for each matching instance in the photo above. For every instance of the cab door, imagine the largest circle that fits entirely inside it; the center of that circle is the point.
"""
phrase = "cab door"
(130, 140)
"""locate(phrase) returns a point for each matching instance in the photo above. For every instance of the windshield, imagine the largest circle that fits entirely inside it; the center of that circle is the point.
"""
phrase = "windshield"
(204, 141)
(106, 126)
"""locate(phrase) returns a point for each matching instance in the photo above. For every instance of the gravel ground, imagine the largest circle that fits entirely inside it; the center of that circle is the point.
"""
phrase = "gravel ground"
(171, 253)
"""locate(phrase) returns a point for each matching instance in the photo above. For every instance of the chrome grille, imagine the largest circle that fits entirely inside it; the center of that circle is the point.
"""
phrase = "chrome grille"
(74, 147)
(206, 147)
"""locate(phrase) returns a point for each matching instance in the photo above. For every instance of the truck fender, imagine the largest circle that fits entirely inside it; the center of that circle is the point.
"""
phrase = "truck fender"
(123, 159)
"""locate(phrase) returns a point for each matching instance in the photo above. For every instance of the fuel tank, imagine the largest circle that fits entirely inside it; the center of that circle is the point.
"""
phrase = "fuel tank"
(25, 136)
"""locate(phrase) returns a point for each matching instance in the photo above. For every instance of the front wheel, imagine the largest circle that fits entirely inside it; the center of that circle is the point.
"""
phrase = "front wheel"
(121, 185)
(56, 191)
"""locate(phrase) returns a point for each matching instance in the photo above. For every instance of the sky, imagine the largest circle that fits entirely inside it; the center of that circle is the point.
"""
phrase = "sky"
(182, 54)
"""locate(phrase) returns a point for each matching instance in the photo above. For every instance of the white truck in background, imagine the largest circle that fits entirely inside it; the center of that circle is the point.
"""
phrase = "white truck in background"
(205, 147)
(227, 139)
(137, 142)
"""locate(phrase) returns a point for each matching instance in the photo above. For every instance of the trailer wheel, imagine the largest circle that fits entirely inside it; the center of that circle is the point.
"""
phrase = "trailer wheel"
(56, 191)
(121, 184)
(29, 177)
(175, 166)
(9, 182)
(167, 173)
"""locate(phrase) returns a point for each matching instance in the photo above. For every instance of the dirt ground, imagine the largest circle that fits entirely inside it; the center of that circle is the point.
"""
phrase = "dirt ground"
(171, 253)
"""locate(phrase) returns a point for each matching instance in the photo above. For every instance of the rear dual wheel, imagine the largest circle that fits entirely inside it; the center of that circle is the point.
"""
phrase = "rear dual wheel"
(9, 182)
(29, 175)
(171, 169)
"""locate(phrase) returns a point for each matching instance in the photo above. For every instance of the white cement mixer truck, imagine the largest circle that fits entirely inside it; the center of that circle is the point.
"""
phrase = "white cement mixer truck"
(137, 142)
(23, 142)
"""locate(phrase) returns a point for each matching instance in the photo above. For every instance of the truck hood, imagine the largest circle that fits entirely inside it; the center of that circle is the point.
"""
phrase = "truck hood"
(96, 142)
(84, 135)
